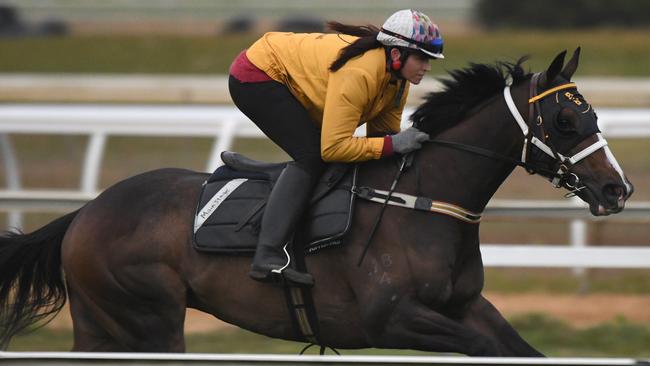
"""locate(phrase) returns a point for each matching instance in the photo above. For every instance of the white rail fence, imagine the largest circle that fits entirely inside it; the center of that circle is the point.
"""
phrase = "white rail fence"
(225, 123)
(173, 359)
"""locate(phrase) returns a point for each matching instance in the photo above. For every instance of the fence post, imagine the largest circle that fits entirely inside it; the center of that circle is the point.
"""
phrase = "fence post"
(578, 239)
(12, 178)
(222, 143)
(92, 162)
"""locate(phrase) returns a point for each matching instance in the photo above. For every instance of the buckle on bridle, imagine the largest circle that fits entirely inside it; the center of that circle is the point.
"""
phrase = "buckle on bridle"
(572, 182)
(564, 169)
(560, 179)
(569, 182)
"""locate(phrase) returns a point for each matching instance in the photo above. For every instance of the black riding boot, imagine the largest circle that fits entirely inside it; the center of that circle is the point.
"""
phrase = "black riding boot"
(287, 203)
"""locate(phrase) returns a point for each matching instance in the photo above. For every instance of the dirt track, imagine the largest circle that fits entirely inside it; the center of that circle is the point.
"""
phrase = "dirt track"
(579, 311)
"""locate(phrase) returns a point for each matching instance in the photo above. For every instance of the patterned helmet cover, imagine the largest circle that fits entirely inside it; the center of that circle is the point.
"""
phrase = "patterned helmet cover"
(412, 29)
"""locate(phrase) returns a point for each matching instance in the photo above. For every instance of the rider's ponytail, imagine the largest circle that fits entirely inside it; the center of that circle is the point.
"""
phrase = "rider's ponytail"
(367, 41)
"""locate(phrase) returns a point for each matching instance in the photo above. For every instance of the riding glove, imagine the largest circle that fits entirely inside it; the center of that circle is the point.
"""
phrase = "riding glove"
(408, 140)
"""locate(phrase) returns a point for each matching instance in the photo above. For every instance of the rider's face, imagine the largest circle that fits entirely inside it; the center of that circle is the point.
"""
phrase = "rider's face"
(415, 67)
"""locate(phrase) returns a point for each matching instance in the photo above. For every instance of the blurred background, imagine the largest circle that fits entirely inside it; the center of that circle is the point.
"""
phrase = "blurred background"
(92, 92)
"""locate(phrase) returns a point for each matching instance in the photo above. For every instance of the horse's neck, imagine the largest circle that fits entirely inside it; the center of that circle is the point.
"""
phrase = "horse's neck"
(464, 178)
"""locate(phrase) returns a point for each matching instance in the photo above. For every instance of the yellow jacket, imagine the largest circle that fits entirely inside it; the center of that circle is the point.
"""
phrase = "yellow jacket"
(359, 92)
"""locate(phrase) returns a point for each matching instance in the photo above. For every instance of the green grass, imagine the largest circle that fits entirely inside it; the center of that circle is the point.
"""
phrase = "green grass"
(43, 340)
(552, 337)
(558, 281)
(627, 58)
(121, 54)
(605, 52)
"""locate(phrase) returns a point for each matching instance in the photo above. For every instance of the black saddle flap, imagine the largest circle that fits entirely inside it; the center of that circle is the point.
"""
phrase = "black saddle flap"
(230, 210)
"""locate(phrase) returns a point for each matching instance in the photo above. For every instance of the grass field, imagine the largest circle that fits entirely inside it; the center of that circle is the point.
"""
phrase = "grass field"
(606, 52)
(552, 337)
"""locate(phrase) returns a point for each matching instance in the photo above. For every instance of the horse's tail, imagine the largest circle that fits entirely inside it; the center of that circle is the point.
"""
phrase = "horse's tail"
(32, 287)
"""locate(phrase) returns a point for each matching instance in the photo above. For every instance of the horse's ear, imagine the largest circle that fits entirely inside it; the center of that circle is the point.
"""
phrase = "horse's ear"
(572, 65)
(554, 69)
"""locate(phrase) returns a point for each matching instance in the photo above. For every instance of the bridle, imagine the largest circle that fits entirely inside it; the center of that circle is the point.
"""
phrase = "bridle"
(560, 175)
(563, 175)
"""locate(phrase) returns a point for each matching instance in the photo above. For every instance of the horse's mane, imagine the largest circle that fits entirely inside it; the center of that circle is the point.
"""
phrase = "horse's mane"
(463, 91)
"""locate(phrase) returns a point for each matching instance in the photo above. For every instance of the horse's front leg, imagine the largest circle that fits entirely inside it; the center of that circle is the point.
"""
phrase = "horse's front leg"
(407, 323)
(484, 318)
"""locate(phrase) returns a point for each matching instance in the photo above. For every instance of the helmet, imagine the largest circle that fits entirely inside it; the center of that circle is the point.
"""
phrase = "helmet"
(412, 29)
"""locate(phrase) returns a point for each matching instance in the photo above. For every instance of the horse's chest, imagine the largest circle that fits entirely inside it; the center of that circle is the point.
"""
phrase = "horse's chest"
(446, 288)
(435, 293)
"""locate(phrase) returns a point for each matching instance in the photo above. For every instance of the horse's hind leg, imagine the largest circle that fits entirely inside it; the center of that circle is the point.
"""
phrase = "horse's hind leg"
(139, 317)
(89, 335)
(482, 316)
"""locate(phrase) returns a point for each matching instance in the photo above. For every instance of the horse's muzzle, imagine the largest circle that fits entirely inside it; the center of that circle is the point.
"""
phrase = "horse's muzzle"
(609, 200)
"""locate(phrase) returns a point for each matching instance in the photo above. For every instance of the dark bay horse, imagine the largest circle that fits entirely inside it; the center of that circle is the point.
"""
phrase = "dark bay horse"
(126, 263)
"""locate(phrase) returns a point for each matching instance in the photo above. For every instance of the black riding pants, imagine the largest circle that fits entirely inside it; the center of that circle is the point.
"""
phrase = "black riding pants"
(283, 119)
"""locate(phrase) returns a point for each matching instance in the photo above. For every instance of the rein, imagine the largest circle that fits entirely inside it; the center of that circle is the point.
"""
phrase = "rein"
(489, 154)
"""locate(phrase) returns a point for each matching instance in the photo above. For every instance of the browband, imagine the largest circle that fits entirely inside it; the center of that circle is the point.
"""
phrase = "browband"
(550, 91)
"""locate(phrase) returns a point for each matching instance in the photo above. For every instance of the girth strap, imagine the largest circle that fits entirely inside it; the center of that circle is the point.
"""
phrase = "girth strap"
(303, 314)
(417, 203)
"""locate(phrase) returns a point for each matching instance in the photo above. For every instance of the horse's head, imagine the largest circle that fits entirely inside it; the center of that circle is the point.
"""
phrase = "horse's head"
(576, 156)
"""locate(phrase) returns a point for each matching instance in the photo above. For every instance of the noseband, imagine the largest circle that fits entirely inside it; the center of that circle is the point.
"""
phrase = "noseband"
(563, 176)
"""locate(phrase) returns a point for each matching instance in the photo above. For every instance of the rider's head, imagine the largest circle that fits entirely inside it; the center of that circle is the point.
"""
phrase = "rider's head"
(410, 32)
(405, 33)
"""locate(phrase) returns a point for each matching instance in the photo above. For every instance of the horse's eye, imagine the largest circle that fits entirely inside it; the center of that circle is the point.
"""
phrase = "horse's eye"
(564, 123)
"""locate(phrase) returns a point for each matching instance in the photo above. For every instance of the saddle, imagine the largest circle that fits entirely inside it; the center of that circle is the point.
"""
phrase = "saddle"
(232, 201)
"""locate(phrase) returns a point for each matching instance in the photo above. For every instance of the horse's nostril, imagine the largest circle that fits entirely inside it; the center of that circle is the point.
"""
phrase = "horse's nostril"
(613, 191)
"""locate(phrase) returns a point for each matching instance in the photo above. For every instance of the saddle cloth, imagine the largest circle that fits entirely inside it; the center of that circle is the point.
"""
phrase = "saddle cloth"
(233, 199)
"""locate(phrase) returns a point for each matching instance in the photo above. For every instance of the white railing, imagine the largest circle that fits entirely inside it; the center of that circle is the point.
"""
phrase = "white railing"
(99, 122)
(77, 358)
(221, 122)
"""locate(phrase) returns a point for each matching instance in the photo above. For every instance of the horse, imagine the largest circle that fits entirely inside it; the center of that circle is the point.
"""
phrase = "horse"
(125, 260)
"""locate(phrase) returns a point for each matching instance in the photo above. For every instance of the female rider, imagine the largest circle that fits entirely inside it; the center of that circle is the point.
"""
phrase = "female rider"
(309, 92)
